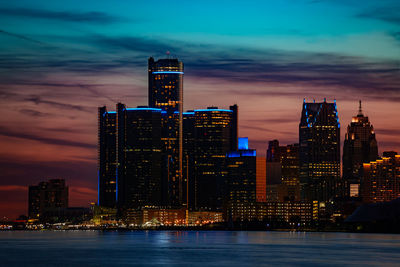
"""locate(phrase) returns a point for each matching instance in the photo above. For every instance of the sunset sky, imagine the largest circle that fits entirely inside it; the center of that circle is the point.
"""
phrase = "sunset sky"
(60, 60)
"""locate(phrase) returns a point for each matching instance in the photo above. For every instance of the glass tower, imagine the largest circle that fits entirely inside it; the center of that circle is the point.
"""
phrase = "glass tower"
(319, 148)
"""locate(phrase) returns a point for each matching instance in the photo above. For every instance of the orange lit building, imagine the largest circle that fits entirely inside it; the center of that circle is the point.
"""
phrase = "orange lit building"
(165, 216)
(261, 182)
(381, 179)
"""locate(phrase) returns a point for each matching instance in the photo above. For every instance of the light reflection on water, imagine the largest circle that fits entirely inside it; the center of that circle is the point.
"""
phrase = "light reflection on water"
(198, 248)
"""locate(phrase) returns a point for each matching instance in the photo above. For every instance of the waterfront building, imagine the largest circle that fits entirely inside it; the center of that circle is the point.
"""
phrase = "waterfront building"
(139, 146)
(47, 196)
(296, 212)
(360, 146)
(107, 160)
(381, 179)
(319, 151)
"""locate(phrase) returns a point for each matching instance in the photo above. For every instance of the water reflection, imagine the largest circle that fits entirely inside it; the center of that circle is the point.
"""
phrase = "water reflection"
(197, 248)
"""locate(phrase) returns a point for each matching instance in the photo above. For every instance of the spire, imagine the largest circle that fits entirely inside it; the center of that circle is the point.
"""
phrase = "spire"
(360, 109)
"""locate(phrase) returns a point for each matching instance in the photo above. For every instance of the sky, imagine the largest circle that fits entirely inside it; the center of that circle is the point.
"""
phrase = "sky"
(61, 60)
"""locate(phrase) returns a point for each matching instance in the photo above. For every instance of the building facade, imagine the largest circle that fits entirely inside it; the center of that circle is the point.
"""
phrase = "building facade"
(165, 78)
(319, 151)
(139, 157)
(47, 197)
(107, 158)
(360, 146)
(241, 183)
(381, 179)
(214, 133)
(283, 169)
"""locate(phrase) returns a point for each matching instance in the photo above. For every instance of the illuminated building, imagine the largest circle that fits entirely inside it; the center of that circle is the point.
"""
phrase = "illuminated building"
(359, 147)
(139, 156)
(319, 151)
(165, 216)
(214, 131)
(246, 174)
(204, 217)
(47, 196)
(283, 171)
(165, 77)
(289, 212)
(107, 160)
(165, 84)
(381, 179)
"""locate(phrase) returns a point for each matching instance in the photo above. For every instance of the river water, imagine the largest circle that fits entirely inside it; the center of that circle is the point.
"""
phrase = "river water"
(196, 248)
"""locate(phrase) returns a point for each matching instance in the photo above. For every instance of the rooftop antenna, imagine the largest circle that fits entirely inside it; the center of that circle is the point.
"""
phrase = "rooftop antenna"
(359, 108)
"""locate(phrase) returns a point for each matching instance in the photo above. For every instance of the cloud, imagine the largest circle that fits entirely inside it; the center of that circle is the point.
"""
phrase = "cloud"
(13, 188)
(47, 140)
(382, 131)
(389, 14)
(87, 17)
(22, 37)
(34, 113)
(38, 100)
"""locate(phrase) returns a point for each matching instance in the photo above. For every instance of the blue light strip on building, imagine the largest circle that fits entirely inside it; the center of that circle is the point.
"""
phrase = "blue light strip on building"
(242, 153)
(139, 109)
(210, 110)
(167, 72)
(188, 113)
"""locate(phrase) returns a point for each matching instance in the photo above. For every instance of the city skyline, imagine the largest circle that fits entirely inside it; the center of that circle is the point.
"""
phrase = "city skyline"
(56, 99)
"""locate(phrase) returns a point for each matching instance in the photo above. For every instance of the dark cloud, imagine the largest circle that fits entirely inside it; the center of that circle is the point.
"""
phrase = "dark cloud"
(271, 120)
(43, 139)
(338, 74)
(382, 131)
(38, 100)
(34, 113)
(87, 17)
(389, 14)
(20, 36)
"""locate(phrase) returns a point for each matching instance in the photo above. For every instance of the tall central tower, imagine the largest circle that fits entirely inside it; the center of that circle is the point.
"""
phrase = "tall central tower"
(166, 93)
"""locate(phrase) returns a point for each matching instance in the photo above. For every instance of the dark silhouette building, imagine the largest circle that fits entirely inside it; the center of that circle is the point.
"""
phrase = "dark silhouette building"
(139, 157)
(107, 160)
(165, 77)
(283, 170)
(319, 151)
(246, 183)
(208, 136)
(47, 196)
(359, 147)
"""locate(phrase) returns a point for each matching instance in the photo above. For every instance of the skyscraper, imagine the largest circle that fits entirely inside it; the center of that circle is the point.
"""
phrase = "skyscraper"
(213, 130)
(139, 157)
(359, 147)
(47, 196)
(107, 160)
(246, 182)
(165, 78)
(319, 141)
